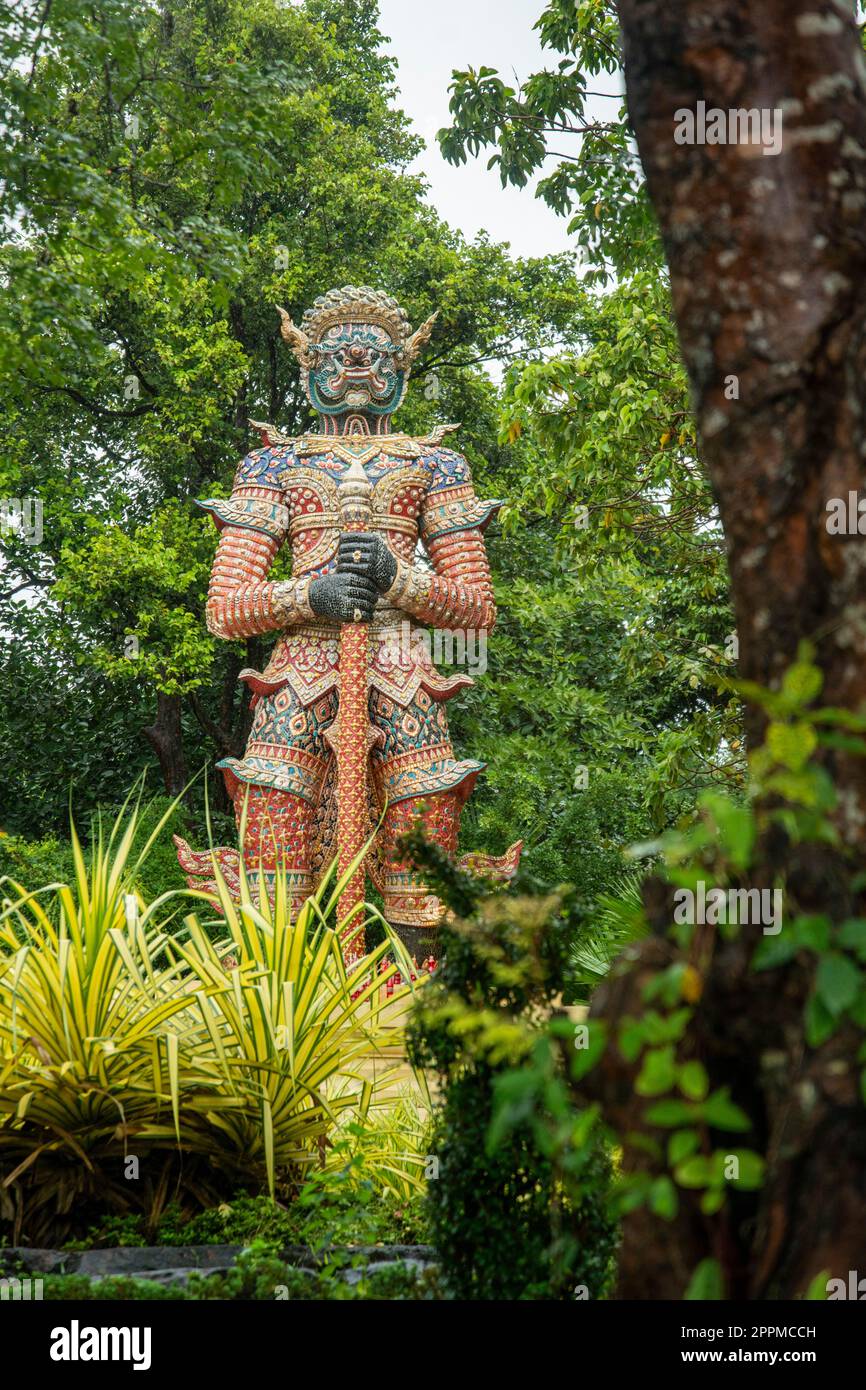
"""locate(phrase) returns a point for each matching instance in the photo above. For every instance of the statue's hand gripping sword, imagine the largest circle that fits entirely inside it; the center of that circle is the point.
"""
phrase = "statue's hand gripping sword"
(356, 510)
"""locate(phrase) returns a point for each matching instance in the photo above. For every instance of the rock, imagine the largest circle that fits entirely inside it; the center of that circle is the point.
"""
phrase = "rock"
(414, 1266)
(34, 1260)
(142, 1260)
(172, 1265)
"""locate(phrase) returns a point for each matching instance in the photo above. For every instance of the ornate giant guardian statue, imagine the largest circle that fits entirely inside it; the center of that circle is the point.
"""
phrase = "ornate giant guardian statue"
(386, 536)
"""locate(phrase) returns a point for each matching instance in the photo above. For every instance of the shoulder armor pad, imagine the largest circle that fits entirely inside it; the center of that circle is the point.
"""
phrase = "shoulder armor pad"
(250, 513)
(270, 434)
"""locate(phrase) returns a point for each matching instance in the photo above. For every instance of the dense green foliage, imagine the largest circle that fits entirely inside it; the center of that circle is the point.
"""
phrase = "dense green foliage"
(50, 859)
(614, 595)
(573, 117)
(338, 1206)
(504, 1223)
(595, 715)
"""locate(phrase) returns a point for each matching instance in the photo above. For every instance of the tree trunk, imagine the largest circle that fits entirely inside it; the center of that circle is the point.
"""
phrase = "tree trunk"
(165, 737)
(767, 256)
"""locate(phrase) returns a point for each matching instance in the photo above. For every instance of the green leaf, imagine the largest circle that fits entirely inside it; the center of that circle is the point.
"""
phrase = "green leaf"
(669, 1114)
(837, 982)
(721, 1112)
(736, 825)
(692, 1080)
(707, 1282)
(817, 1290)
(806, 933)
(583, 1059)
(663, 1199)
(819, 1022)
(802, 683)
(852, 934)
(846, 743)
(773, 951)
(712, 1200)
(681, 1145)
(812, 932)
(695, 1171)
(632, 1036)
(792, 745)
(812, 787)
(657, 1073)
(752, 1167)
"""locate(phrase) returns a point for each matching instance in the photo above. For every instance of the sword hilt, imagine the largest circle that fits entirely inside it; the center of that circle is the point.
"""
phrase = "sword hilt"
(355, 500)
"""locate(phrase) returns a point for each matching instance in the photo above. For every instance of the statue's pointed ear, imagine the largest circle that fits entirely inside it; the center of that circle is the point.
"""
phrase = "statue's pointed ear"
(296, 338)
(414, 344)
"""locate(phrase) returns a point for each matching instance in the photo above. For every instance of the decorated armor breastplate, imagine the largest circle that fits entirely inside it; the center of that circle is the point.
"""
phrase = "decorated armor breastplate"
(307, 471)
(289, 491)
(311, 484)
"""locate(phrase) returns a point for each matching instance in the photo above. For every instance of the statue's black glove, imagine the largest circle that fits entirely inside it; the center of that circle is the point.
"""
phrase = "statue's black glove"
(343, 596)
(365, 554)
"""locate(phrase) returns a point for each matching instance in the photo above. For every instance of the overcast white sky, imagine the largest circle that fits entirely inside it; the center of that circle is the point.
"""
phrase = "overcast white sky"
(429, 38)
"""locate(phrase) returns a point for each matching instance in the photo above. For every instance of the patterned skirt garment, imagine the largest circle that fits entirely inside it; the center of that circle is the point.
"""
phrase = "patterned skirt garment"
(284, 788)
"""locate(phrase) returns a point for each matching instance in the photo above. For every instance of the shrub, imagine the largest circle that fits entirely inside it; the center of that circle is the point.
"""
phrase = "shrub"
(77, 1288)
(257, 1276)
(506, 1219)
(49, 860)
(571, 834)
(212, 1067)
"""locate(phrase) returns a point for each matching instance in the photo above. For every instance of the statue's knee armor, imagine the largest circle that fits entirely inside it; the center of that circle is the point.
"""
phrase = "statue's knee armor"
(410, 907)
(276, 786)
(276, 836)
(416, 773)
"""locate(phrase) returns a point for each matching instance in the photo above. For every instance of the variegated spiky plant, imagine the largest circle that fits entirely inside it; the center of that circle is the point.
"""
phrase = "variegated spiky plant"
(141, 1064)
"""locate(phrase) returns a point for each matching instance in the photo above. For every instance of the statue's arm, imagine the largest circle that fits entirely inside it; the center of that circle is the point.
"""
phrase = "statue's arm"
(253, 524)
(458, 592)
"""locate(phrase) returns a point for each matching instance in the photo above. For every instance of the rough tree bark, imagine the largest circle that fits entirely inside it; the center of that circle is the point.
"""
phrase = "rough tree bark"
(767, 257)
(165, 736)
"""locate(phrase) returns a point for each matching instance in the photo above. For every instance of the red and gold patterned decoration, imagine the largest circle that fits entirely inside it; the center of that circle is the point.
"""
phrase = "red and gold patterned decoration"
(356, 513)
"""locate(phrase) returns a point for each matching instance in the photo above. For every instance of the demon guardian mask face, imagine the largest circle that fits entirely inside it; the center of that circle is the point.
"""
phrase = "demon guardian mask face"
(356, 349)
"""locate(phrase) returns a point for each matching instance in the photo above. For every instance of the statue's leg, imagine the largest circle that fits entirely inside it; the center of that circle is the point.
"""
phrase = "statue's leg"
(276, 827)
(413, 911)
(416, 772)
(276, 786)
